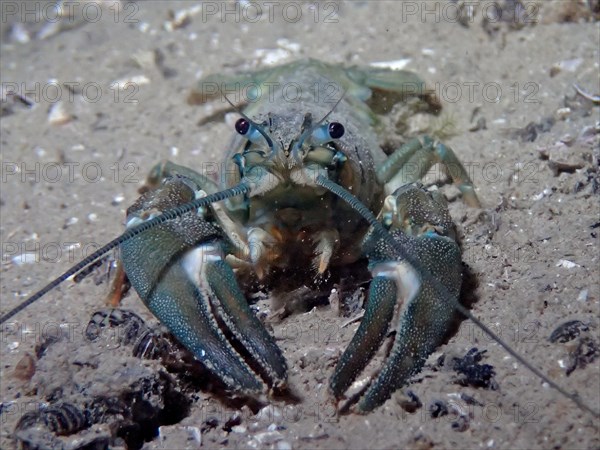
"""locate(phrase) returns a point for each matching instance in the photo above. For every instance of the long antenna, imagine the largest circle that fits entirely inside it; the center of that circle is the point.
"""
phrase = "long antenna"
(170, 214)
(359, 207)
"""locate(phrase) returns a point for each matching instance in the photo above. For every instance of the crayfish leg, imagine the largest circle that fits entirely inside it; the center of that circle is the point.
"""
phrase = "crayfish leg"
(119, 286)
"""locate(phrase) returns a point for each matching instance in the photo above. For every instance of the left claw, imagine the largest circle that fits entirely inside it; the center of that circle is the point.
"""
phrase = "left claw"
(178, 270)
(420, 222)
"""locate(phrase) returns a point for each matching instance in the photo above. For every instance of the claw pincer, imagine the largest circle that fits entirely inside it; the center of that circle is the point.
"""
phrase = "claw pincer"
(177, 268)
(420, 223)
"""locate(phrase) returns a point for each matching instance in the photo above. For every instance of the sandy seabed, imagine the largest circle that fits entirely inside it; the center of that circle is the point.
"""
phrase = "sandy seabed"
(77, 143)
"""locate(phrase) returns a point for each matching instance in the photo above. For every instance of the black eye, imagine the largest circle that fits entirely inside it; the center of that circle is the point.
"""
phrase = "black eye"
(242, 126)
(336, 130)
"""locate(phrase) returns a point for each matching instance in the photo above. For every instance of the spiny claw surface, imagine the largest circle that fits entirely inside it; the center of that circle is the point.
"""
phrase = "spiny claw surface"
(178, 269)
(421, 224)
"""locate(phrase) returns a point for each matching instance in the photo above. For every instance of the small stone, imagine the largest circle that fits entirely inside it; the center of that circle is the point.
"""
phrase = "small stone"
(461, 424)
(117, 199)
(566, 264)
(25, 368)
(58, 114)
(438, 409)
(568, 331)
(563, 113)
(283, 445)
(409, 401)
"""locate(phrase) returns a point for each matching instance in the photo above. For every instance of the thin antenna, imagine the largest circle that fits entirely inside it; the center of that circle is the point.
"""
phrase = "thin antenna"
(170, 214)
(308, 132)
(359, 207)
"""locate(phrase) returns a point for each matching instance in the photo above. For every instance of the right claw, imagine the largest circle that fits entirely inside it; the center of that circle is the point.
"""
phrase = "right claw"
(178, 270)
(420, 223)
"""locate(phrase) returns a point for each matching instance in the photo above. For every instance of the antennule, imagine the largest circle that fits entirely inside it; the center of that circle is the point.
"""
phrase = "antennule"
(306, 133)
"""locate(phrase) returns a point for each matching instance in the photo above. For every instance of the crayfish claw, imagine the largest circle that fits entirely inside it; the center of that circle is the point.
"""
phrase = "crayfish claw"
(368, 337)
(178, 269)
(421, 225)
(118, 287)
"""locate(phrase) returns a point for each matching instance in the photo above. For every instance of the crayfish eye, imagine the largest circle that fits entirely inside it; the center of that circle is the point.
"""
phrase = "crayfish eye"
(252, 131)
(242, 126)
(327, 132)
(336, 130)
